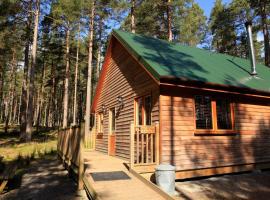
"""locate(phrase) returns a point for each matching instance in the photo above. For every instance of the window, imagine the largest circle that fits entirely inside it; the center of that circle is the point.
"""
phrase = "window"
(224, 118)
(140, 111)
(203, 112)
(112, 120)
(143, 110)
(100, 123)
(213, 115)
(148, 109)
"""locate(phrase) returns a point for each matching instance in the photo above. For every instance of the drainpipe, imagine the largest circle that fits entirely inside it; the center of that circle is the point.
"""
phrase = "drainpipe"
(251, 48)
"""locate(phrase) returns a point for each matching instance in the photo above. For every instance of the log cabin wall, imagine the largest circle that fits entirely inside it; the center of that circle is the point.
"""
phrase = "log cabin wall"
(126, 78)
(180, 147)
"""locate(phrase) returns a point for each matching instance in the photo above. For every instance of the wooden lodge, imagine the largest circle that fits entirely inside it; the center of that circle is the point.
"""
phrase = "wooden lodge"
(160, 102)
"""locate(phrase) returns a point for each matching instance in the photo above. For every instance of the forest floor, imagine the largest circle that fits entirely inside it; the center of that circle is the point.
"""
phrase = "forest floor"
(39, 175)
(12, 148)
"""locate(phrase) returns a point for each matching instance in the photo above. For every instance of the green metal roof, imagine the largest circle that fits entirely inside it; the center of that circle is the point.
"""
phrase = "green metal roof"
(166, 59)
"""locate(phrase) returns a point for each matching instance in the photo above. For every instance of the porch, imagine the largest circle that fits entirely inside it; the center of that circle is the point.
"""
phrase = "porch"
(101, 179)
(110, 177)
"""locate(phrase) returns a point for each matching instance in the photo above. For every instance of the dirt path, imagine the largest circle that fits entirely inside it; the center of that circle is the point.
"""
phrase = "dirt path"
(45, 179)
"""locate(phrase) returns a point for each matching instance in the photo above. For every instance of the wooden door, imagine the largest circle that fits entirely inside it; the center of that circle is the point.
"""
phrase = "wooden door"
(112, 132)
(143, 110)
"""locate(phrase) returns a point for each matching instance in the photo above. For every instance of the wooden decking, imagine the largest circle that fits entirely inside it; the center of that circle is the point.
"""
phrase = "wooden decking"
(130, 189)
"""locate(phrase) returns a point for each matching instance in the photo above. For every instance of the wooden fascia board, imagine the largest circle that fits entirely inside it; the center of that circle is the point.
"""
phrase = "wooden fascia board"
(103, 73)
(138, 59)
(214, 89)
(105, 69)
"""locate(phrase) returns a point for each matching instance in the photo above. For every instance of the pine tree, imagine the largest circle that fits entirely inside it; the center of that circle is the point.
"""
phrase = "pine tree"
(190, 24)
(262, 10)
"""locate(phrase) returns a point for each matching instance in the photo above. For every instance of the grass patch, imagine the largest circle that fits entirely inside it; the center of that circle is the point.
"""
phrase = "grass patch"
(11, 147)
(14, 151)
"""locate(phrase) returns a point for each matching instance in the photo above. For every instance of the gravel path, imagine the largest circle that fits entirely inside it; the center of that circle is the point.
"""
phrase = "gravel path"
(45, 179)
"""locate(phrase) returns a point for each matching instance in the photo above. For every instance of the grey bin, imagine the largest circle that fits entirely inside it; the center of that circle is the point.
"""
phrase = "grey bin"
(165, 178)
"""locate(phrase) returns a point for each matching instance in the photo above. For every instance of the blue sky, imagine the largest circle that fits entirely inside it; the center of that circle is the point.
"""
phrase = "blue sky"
(207, 5)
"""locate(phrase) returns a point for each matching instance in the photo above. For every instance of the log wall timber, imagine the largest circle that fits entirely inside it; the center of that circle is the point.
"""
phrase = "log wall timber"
(126, 78)
(187, 151)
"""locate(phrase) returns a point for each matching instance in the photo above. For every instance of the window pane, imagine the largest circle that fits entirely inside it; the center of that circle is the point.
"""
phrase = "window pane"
(139, 112)
(148, 108)
(113, 120)
(203, 112)
(224, 120)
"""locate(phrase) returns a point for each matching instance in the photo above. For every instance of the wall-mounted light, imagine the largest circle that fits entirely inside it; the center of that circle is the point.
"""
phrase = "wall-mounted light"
(120, 102)
(104, 110)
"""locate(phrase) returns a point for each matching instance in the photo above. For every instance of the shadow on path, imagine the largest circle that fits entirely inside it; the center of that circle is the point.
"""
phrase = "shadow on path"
(45, 179)
(234, 187)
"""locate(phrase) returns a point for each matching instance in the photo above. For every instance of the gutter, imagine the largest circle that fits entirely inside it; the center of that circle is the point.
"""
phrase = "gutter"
(208, 86)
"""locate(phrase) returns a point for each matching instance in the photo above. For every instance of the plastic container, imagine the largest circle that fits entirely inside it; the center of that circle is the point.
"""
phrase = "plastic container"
(165, 178)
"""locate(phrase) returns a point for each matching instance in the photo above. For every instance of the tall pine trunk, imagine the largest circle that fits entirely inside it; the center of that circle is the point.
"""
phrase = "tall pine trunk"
(265, 35)
(89, 75)
(9, 99)
(53, 97)
(13, 90)
(40, 99)
(99, 50)
(132, 14)
(24, 98)
(75, 103)
(66, 87)
(169, 20)
(98, 61)
(31, 77)
(1, 91)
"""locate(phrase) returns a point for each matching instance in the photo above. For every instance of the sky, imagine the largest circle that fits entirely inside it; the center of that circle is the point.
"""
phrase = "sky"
(207, 5)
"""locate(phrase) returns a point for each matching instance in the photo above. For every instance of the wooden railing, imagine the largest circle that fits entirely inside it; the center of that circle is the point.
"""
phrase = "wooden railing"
(144, 145)
(70, 149)
(90, 139)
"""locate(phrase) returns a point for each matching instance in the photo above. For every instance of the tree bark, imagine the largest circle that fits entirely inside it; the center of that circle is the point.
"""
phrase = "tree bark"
(66, 87)
(40, 96)
(265, 35)
(99, 50)
(76, 80)
(53, 97)
(132, 14)
(31, 77)
(98, 61)
(19, 109)
(89, 75)
(169, 20)
(23, 108)
(9, 98)
(1, 91)
(13, 101)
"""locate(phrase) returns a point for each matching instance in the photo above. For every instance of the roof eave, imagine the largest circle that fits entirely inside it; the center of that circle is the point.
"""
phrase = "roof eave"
(171, 80)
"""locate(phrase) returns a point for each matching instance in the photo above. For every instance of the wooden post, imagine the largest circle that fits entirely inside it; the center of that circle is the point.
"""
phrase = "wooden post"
(69, 146)
(94, 139)
(157, 143)
(81, 160)
(131, 145)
